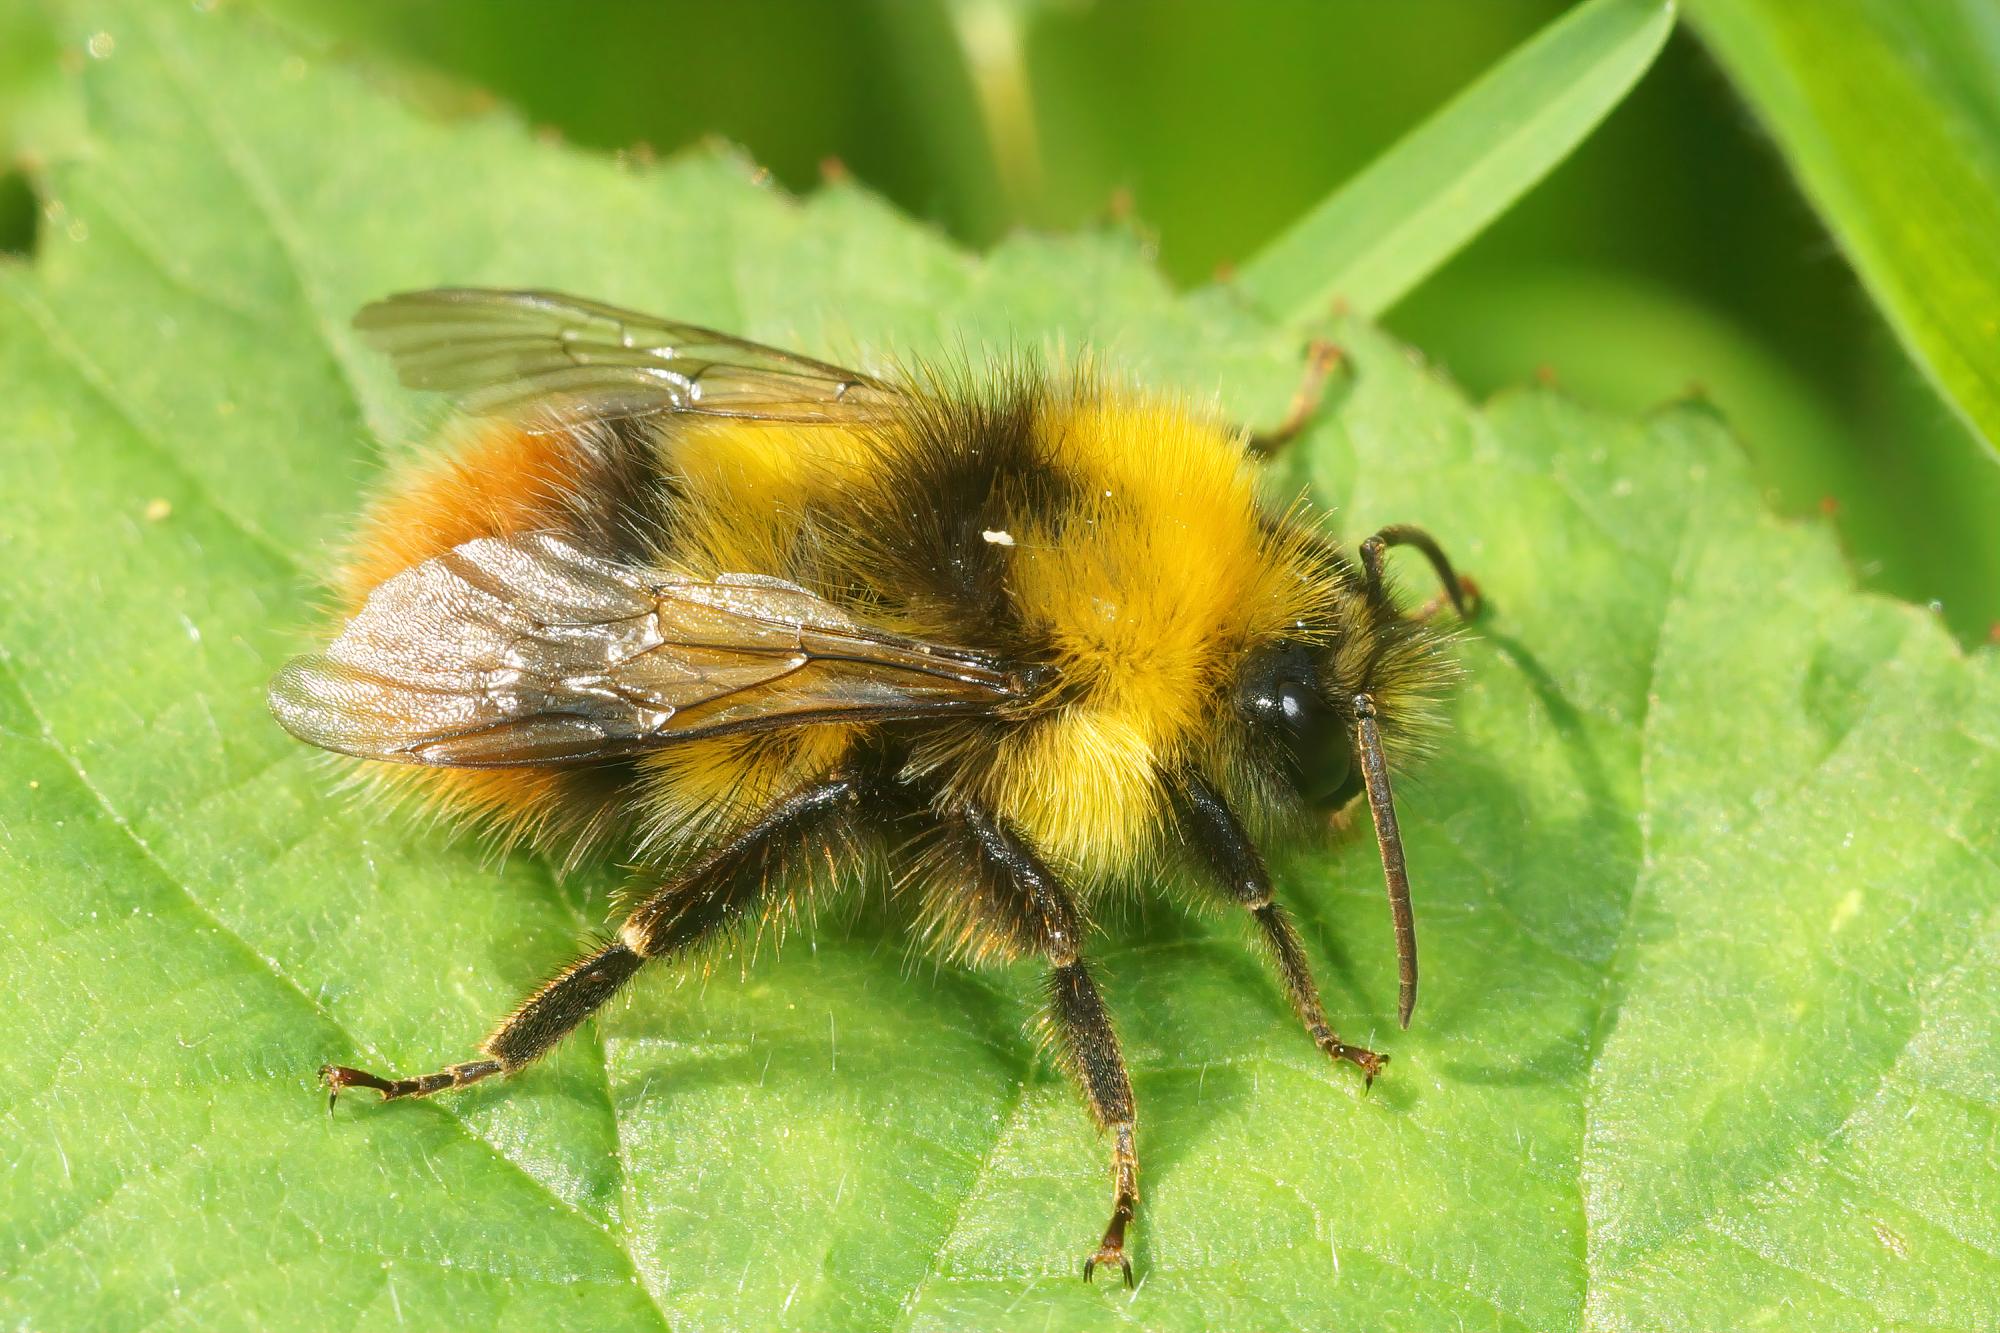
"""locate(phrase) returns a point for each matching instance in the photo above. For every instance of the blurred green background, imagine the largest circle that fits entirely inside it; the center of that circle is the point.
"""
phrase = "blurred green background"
(1672, 254)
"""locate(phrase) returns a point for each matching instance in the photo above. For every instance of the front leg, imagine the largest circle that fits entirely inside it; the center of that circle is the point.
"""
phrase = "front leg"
(1322, 359)
(1225, 846)
(992, 896)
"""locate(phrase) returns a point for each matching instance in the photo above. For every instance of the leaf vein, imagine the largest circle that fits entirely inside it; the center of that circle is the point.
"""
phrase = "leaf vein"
(270, 966)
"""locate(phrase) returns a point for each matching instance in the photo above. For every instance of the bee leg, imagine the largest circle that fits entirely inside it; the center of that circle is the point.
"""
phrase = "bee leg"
(1343, 819)
(715, 894)
(1090, 1048)
(1282, 939)
(1019, 908)
(1322, 357)
(338, 1078)
(1460, 591)
(1220, 837)
(542, 1020)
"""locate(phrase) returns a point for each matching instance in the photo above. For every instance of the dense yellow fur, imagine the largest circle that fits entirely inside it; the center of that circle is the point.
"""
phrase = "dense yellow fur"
(1149, 599)
(748, 486)
(1149, 589)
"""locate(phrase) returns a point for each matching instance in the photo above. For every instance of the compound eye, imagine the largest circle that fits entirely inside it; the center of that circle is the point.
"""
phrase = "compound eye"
(1297, 705)
(1281, 693)
(1317, 744)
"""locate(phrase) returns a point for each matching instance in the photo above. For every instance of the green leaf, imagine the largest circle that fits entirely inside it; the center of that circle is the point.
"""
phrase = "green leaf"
(1706, 870)
(1411, 209)
(1889, 112)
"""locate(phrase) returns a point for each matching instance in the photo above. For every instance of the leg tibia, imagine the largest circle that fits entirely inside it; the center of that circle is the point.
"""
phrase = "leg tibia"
(1293, 970)
(554, 1011)
(1082, 1029)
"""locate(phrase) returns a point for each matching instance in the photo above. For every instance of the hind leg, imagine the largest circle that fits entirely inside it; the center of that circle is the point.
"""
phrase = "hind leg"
(718, 893)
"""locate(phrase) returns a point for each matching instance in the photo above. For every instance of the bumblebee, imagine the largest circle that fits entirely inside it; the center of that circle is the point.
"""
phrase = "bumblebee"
(761, 626)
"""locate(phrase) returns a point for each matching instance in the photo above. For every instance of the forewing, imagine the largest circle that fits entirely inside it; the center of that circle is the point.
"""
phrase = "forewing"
(504, 351)
(524, 650)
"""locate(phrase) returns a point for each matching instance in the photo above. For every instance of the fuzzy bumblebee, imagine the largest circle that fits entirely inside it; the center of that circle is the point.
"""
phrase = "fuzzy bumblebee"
(755, 622)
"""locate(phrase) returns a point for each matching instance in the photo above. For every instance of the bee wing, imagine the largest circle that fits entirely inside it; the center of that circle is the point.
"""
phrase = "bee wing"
(524, 650)
(500, 351)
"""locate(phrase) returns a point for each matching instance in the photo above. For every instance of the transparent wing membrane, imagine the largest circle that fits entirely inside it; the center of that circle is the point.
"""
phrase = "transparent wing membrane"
(524, 650)
(505, 351)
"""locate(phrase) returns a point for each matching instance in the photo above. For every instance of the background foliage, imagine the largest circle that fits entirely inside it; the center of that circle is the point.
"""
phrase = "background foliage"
(1707, 870)
(1671, 250)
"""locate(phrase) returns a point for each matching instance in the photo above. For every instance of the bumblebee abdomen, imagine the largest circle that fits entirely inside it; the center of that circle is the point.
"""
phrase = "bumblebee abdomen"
(495, 479)
(596, 485)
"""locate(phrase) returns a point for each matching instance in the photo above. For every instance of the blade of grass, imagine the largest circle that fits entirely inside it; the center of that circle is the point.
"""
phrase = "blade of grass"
(1889, 113)
(1411, 209)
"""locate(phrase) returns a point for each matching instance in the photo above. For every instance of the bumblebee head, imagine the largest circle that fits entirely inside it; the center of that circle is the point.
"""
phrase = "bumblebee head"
(1352, 682)
(1325, 723)
(1322, 697)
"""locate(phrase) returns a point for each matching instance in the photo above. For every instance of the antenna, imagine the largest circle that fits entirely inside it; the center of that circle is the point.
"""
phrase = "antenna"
(1389, 838)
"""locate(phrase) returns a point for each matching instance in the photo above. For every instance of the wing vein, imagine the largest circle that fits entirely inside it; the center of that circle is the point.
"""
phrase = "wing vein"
(527, 651)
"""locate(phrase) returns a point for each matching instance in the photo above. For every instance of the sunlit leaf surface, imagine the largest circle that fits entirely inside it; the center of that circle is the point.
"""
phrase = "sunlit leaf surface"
(1706, 872)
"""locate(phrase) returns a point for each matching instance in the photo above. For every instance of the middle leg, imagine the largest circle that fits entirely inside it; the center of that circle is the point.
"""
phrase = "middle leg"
(995, 897)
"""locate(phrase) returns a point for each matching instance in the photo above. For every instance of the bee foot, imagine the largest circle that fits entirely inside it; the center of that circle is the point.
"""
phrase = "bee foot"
(1110, 1252)
(339, 1078)
(1369, 1062)
(336, 1079)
